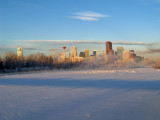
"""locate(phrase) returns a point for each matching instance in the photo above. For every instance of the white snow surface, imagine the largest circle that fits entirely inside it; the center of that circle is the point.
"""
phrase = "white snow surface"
(132, 94)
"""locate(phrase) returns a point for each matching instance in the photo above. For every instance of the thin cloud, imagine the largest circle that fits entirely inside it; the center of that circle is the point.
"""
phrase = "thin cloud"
(53, 49)
(85, 42)
(6, 48)
(130, 43)
(88, 16)
(33, 49)
(3, 48)
(149, 51)
(91, 14)
(154, 50)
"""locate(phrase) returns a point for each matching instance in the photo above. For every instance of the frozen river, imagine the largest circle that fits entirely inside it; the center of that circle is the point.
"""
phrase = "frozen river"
(81, 95)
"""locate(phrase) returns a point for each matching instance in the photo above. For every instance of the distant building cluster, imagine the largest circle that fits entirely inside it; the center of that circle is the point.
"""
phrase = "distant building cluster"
(109, 56)
(119, 56)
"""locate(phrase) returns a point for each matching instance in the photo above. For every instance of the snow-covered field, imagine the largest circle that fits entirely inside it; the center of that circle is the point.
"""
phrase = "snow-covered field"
(81, 95)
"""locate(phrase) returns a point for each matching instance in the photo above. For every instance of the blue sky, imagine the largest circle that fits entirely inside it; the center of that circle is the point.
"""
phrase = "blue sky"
(79, 20)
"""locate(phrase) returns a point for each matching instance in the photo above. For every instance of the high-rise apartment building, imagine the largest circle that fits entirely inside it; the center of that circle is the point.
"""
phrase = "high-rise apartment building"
(86, 51)
(108, 48)
(19, 52)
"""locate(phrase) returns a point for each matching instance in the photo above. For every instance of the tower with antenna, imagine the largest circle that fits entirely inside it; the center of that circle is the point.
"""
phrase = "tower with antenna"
(63, 55)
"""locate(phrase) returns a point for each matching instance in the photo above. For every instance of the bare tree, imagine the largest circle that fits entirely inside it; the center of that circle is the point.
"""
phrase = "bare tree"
(157, 64)
(30, 60)
(10, 60)
(1, 64)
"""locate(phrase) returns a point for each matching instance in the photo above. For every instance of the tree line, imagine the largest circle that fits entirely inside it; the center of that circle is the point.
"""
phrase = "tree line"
(38, 61)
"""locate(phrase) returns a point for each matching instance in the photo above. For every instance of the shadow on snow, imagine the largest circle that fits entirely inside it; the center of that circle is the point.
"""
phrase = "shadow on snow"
(106, 83)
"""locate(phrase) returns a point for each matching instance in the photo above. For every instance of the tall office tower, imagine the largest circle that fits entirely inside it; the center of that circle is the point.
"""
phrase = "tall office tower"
(108, 48)
(119, 52)
(73, 52)
(86, 51)
(20, 53)
(95, 52)
(82, 54)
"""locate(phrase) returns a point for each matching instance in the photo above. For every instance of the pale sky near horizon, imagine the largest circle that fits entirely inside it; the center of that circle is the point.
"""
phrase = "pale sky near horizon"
(26, 22)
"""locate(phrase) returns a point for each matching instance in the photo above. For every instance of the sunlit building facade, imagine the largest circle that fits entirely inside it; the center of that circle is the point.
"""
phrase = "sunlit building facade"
(86, 51)
(73, 52)
(20, 53)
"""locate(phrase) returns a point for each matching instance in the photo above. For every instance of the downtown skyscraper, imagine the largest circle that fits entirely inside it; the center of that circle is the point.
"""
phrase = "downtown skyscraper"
(108, 48)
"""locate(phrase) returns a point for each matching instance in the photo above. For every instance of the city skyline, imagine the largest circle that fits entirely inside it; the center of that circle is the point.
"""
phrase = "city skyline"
(117, 57)
(36, 25)
(79, 59)
(91, 45)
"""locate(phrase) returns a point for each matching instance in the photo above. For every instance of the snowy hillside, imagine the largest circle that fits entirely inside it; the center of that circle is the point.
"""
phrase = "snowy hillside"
(132, 94)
